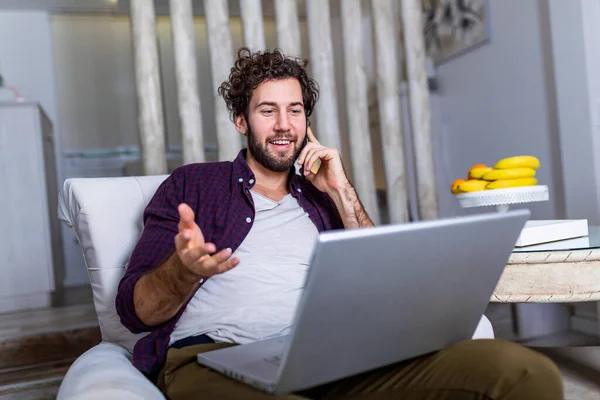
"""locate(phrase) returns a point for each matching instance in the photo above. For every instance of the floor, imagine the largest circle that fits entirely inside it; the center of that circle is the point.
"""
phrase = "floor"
(37, 348)
(577, 355)
(28, 323)
(580, 368)
(33, 356)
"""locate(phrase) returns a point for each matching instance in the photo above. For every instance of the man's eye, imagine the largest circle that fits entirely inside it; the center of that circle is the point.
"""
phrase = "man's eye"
(296, 112)
(267, 112)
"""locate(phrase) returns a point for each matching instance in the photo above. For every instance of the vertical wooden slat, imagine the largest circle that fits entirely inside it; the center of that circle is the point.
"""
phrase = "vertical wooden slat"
(252, 20)
(221, 59)
(288, 30)
(357, 107)
(147, 78)
(389, 107)
(420, 108)
(182, 27)
(321, 52)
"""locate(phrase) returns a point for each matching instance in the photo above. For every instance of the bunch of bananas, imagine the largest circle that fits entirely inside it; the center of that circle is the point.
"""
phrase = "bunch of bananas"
(507, 173)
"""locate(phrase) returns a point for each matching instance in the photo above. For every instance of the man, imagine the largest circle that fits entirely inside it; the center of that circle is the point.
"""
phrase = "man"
(226, 247)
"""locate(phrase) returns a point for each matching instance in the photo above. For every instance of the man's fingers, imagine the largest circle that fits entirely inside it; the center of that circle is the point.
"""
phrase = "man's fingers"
(311, 137)
(304, 152)
(187, 225)
(186, 216)
(190, 249)
(312, 158)
(199, 257)
(223, 255)
(183, 239)
(196, 253)
(307, 163)
(227, 265)
(180, 241)
(308, 152)
(215, 264)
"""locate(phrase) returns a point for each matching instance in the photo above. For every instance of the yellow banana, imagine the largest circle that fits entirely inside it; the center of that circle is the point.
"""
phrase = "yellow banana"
(509, 173)
(477, 173)
(454, 188)
(472, 185)
(509, 183)
(517, 162)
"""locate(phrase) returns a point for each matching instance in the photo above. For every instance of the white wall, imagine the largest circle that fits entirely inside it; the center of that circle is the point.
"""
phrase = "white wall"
(95, 82)
(26, 62)
(26, 56)
(576, 51)
(26, 59)
(497, 101)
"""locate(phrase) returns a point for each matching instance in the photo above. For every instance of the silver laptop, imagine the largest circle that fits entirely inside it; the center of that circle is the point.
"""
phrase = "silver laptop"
(374, 297)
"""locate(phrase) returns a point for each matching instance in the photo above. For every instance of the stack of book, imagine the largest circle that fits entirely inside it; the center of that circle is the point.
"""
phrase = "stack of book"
(547, 231)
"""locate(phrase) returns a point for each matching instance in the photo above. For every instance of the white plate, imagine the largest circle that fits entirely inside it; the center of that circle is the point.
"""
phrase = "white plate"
(498, 197)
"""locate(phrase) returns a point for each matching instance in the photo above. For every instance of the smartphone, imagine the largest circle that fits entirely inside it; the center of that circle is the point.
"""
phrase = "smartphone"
(304, 143)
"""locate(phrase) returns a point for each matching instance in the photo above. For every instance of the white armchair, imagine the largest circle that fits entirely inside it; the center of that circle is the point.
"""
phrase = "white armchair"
(106, 214)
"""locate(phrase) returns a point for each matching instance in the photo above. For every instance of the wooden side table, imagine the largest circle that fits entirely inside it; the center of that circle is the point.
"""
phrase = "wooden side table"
(561, 272)
(554, 273)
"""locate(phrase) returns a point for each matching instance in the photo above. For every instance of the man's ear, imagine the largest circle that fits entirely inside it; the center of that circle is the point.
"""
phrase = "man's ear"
(241, 125)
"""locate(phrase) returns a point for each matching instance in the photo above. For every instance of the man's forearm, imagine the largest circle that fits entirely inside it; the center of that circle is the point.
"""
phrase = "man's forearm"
(159, 294)
(350, 208)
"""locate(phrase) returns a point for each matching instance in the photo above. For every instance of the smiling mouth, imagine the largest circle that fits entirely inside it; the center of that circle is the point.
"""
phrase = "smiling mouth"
(283, 143)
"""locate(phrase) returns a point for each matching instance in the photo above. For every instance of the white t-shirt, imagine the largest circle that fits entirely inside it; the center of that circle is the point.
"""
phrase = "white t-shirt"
(257, 299)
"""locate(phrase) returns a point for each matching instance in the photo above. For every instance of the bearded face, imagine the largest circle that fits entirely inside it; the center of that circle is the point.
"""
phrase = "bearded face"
(275, 124)
(277, 153)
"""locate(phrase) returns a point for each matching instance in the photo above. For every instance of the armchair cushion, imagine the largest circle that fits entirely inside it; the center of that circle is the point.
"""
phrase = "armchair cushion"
(106, 215)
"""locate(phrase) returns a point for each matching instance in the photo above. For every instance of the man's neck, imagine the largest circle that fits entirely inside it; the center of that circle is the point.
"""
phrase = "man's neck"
(268, 183)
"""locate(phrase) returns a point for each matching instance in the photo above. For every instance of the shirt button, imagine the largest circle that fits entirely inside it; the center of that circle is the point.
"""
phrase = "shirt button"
(240, 180)
(300, 190)
(248, 219)
(251, 181)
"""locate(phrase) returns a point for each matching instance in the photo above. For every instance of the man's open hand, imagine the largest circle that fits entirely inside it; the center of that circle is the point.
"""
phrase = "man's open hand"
(194, 253)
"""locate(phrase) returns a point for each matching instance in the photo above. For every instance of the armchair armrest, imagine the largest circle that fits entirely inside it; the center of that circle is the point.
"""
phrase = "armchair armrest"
(106, 372)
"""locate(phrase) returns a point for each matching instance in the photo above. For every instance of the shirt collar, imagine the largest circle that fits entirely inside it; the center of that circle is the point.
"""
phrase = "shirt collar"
(243, 175)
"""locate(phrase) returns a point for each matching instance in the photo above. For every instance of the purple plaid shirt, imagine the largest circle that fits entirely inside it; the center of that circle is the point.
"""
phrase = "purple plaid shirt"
(219, 194)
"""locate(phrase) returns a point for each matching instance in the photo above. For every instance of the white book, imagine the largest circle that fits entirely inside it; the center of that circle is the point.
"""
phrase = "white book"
(559, 245)
(545, 231)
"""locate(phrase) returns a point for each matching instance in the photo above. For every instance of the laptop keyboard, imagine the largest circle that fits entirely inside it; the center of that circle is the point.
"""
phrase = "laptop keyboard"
(275, 360)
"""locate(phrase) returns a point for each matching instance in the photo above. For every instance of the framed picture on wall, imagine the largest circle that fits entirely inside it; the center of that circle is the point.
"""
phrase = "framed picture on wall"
(452, 27)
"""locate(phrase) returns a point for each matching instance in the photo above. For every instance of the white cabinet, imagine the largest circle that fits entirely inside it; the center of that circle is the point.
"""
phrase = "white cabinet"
(30, 240)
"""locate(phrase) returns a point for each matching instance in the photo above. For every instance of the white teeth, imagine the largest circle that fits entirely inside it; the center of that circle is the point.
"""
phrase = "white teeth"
(281, 142)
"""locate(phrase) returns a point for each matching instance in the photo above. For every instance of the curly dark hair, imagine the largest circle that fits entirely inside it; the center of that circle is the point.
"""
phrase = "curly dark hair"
(251, 69)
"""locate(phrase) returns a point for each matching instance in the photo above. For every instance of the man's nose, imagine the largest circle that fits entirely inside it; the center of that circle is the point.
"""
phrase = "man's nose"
(283, 123)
